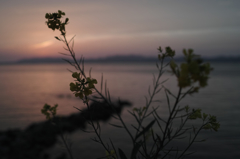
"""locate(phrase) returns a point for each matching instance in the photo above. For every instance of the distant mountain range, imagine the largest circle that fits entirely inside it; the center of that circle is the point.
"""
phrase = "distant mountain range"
(120, 58)
(109, 59)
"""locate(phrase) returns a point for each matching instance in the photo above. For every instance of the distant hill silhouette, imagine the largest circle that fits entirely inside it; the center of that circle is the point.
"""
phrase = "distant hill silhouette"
(40, 60)
(122, 58)
(223, 59)
(116, 58)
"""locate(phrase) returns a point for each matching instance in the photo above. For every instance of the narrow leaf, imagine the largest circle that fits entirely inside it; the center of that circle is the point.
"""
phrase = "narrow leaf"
(145, 129)
(118, 126)
(57, 38)
(136, 149)
(64, 54)
(121, 153)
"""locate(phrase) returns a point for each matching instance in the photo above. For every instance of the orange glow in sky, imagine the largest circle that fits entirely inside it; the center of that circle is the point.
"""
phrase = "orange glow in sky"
(107, 27)
(43, 44)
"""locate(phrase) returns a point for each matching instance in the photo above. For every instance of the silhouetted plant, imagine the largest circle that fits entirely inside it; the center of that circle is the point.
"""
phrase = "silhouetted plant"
(147, 141)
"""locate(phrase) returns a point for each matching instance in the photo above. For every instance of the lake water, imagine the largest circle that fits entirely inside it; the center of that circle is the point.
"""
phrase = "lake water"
(24, 89)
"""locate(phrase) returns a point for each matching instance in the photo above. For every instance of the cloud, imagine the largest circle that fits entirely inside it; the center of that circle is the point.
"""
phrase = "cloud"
(43, 44)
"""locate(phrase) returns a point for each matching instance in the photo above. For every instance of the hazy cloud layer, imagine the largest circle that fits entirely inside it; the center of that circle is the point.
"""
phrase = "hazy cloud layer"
(121, 27)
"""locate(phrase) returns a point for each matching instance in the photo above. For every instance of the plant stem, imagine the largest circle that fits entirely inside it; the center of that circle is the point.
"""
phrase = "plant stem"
(65, 143)
(82, 72)
(168, 123)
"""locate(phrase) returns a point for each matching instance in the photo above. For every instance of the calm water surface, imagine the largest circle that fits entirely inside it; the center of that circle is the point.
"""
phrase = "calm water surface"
(24, 89)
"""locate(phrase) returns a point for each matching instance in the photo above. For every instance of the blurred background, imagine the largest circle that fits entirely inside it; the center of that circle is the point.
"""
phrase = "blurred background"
(31, 74)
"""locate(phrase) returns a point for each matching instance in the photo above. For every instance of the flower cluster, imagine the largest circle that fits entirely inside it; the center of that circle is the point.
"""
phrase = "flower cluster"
(209, 120)
(191, 71)
(212, 124)
(83, 86)
(49, 111)
(168, 53)
(54, 22)
(111, 154)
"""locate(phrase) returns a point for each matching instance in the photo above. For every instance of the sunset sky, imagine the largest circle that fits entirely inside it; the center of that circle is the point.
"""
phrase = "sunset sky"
(120, 27)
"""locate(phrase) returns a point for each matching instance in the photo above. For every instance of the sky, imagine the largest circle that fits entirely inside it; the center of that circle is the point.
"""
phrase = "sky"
(120, 27)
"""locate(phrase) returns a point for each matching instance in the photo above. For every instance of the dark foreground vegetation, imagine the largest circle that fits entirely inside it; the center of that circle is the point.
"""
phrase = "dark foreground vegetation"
(36, 139)
(151, 136)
